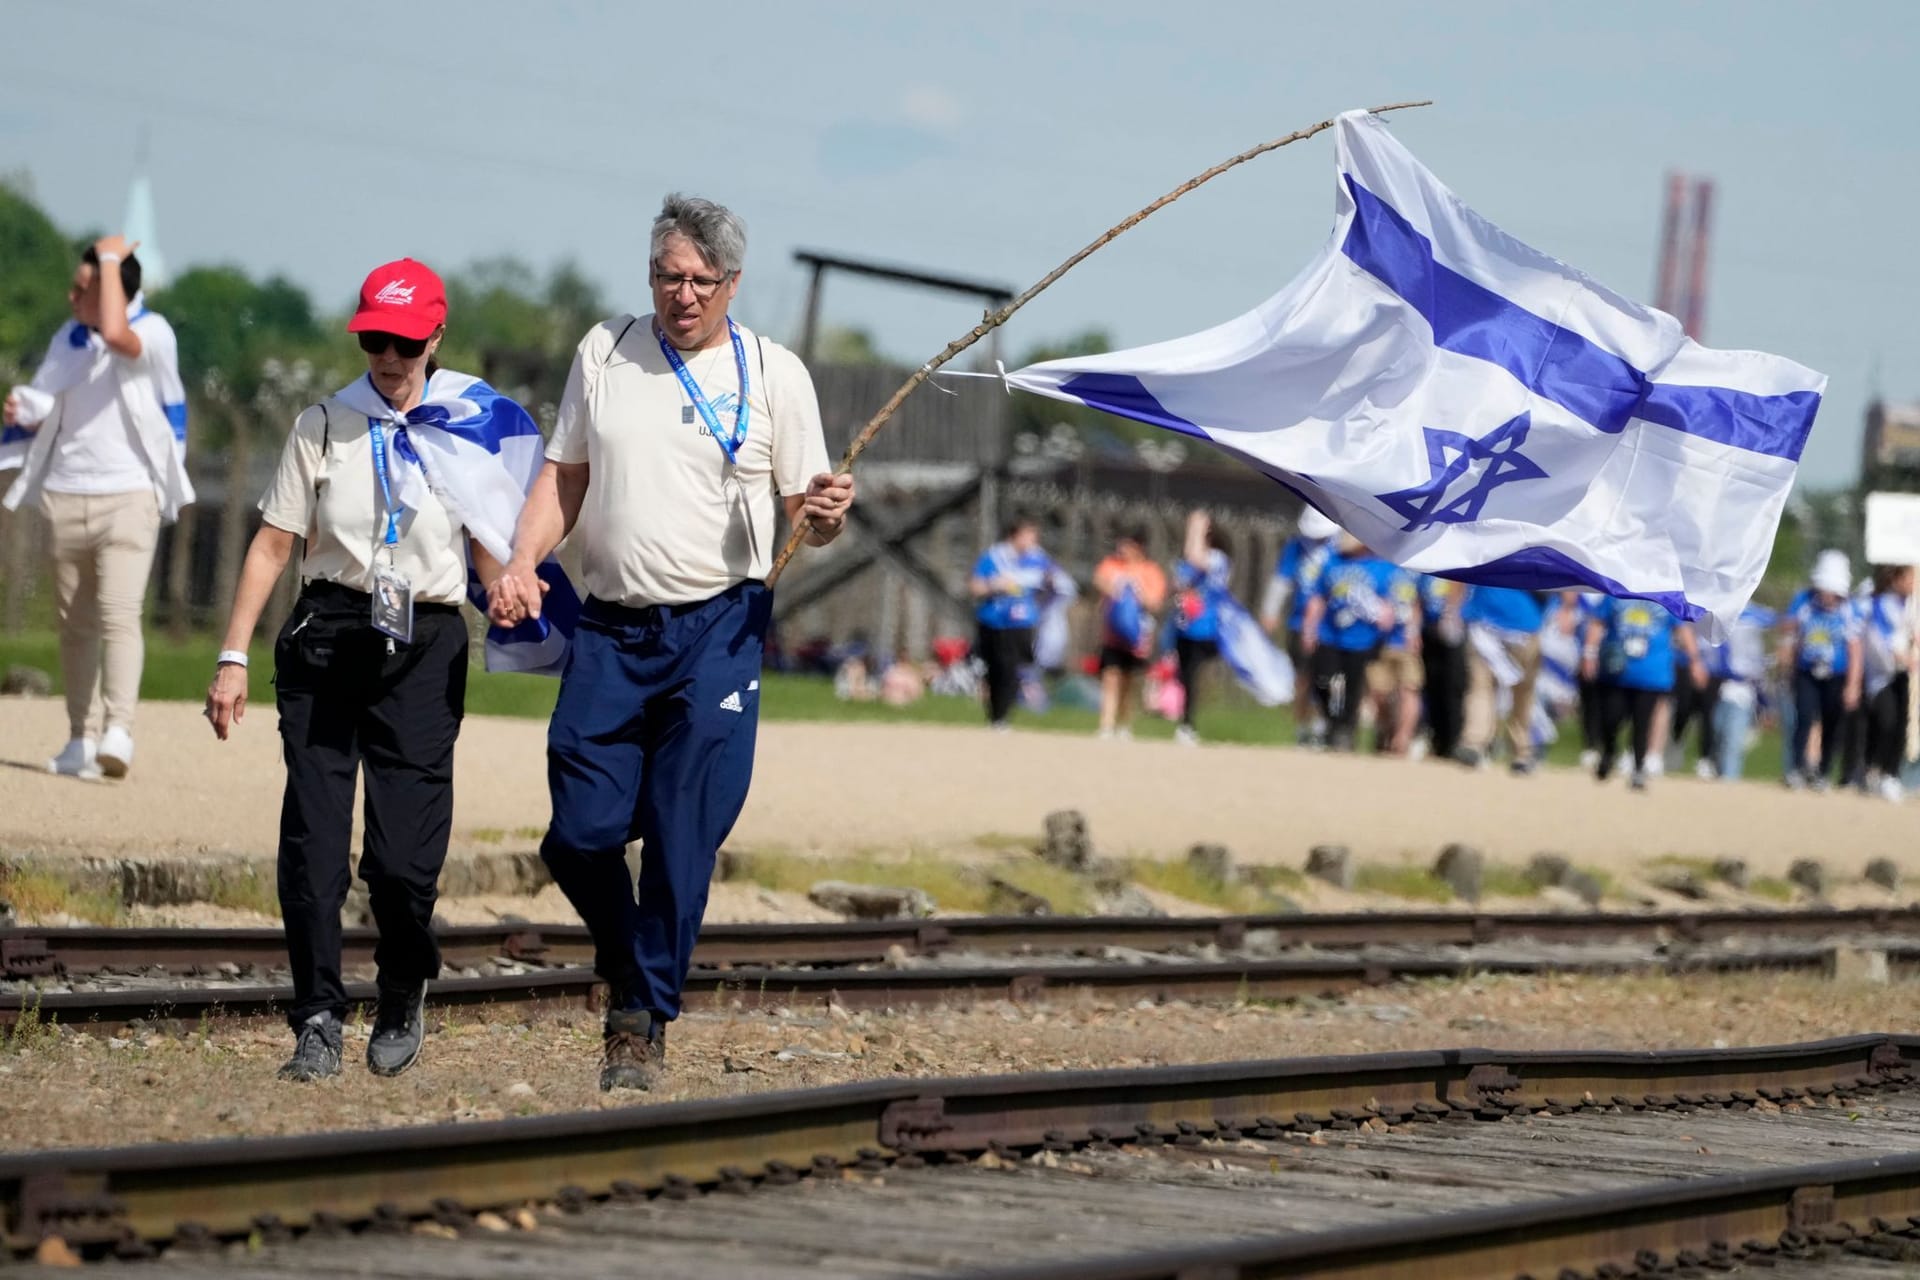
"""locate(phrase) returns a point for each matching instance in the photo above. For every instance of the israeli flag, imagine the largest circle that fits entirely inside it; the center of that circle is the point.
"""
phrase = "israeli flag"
(1472, 408)
(1262, 669)
(480, 452)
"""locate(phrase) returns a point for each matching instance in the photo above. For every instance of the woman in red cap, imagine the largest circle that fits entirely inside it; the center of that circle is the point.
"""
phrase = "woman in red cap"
(370, 673)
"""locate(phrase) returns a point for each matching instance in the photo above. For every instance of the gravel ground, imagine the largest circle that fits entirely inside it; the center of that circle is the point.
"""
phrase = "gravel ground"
(80, 1090)
(843, 788)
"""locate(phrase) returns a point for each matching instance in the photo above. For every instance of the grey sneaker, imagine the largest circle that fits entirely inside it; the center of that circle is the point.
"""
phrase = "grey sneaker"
(399, 1028)
(316, 1050)
(635, 1051)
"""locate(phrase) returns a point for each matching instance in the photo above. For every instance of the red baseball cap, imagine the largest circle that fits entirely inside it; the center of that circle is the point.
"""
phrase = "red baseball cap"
(403, 297)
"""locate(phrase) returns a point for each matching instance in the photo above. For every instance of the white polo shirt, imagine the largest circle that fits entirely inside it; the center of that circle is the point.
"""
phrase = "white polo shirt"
(666, 518)
(94, 451)
(325, 491)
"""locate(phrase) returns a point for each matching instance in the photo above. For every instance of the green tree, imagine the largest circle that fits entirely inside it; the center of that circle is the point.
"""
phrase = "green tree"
(517, 330)
(843, 344)
(36, 262)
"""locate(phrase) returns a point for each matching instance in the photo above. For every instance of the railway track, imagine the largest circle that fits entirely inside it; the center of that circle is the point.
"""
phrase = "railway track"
(1450, 1165)
(30, 952)
(829, 964)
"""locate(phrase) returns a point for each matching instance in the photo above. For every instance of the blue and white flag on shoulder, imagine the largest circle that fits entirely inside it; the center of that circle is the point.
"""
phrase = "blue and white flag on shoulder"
(1472, 408)
(478, 452)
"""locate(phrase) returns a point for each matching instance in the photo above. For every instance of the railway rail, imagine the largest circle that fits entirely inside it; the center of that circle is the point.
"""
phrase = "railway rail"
(1457, 1164)
(29, 952)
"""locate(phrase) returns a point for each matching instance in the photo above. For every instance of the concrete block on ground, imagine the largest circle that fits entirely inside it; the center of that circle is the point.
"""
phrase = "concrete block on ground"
(1549, 870)
(1884, 872)
(26, 682)
(1332, 863)
(1213, 862)
(870, 901)
(1680, 881)
(1732, 872)
(1065, 840)
(1810, 875)
(1004, 898)
(1858, 964)
(1462, 866)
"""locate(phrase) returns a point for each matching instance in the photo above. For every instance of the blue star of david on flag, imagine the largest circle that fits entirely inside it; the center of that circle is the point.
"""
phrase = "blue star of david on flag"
(1454, 456)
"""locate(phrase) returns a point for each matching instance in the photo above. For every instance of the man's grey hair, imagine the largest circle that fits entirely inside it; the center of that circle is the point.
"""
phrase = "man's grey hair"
(714, 230)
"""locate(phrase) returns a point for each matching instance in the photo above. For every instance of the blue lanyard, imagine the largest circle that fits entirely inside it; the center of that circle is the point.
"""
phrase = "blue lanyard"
(378, 438)
(728, 446)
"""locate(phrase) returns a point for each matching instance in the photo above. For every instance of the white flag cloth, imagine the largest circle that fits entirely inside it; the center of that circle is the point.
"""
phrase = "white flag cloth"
(480, 451)
(1472, 408)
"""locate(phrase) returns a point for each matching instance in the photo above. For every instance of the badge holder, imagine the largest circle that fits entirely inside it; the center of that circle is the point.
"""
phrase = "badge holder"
(393, 605)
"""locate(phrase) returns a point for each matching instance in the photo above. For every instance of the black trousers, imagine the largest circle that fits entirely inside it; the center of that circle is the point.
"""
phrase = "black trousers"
(1593, 713)
(1690, 704)
(1340, 686)
(1820, 701)
(1192, 655)
(1005, 650)
(1887, 727)
(1618, 706)
(348, 708)
(1445, 695)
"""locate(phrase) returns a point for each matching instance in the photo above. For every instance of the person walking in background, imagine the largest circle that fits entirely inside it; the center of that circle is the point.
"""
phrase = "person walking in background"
(1503, 652)
(1443, 657)
(1820, 642)
(1694, 704)
(1396, 677)
(370, 670)
(1348, 618)
(106, 466)
(1739, 667)
(1629, 651)
(1201, 577)
(1294, 577)
(1007, 583)
(1887, 648)
(681, 438)
(1132, 591)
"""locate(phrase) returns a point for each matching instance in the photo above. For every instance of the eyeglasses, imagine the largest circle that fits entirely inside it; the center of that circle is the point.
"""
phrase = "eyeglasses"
(374, 343)
(703, 286)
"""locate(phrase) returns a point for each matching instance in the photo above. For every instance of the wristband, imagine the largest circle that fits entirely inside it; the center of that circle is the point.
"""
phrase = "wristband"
(231, 657)
(107, 257)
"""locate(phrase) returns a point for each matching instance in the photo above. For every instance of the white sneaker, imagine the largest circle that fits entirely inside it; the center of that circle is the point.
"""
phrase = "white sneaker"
(1704, 770)
(1891, 791)
(115, 756)
(1589, 759)
(76, 760)
(1185, 736)
(1656, 766)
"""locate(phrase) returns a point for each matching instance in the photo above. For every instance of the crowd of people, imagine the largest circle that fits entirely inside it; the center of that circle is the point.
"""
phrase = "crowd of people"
(1478, 674)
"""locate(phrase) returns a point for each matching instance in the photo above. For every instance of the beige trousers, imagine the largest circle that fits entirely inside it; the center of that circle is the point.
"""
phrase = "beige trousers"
(1483, 693)
(102, 556)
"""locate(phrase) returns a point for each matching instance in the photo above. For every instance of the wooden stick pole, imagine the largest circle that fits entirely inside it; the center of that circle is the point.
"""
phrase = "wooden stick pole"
(993, 320)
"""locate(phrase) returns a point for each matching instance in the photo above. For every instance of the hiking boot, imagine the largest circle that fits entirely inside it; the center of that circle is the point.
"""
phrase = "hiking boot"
(316, 1050)
(399, 1028)
(635, 1050)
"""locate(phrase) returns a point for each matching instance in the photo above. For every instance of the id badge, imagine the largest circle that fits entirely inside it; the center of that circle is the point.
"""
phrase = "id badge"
(393, 604)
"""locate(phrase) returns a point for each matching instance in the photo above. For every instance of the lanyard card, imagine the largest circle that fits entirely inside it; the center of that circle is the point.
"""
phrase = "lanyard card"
(393, 604)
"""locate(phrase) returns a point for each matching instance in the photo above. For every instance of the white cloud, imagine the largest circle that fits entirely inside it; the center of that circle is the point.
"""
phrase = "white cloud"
(932, 107)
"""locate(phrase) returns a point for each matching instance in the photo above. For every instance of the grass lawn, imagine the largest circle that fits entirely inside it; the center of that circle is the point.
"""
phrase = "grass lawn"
(179, 671)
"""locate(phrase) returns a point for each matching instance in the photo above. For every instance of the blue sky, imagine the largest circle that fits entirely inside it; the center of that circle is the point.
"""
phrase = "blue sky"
(993, 139)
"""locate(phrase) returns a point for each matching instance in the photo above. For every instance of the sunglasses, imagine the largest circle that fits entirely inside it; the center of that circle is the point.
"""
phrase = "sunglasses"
(374, 343)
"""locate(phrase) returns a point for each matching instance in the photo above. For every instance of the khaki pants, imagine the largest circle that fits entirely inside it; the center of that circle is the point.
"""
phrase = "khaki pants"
(102, 556)
(1483, 694)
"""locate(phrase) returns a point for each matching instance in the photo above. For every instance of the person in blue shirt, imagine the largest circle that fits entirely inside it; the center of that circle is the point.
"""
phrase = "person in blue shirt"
(1294, 578)
(1199, 580)
(1888, 651)
(1629, 653)
(1396, 676)
(1820, 641)
(1006, 585)
(1505, 622)
(1348, 619)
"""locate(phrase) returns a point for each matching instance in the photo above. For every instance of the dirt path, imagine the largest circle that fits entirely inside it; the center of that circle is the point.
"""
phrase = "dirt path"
(846, 788)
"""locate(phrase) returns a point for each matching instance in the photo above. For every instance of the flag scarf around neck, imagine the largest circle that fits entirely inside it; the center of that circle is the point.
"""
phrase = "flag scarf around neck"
(481, 452)
(1472, 408)
(150, 391)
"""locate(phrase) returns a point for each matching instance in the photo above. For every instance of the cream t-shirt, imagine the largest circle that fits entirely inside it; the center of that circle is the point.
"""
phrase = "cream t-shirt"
(666, 518)
(330, 497)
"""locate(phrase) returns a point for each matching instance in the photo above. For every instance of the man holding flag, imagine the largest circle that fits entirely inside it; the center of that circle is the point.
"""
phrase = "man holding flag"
(1470, 407)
